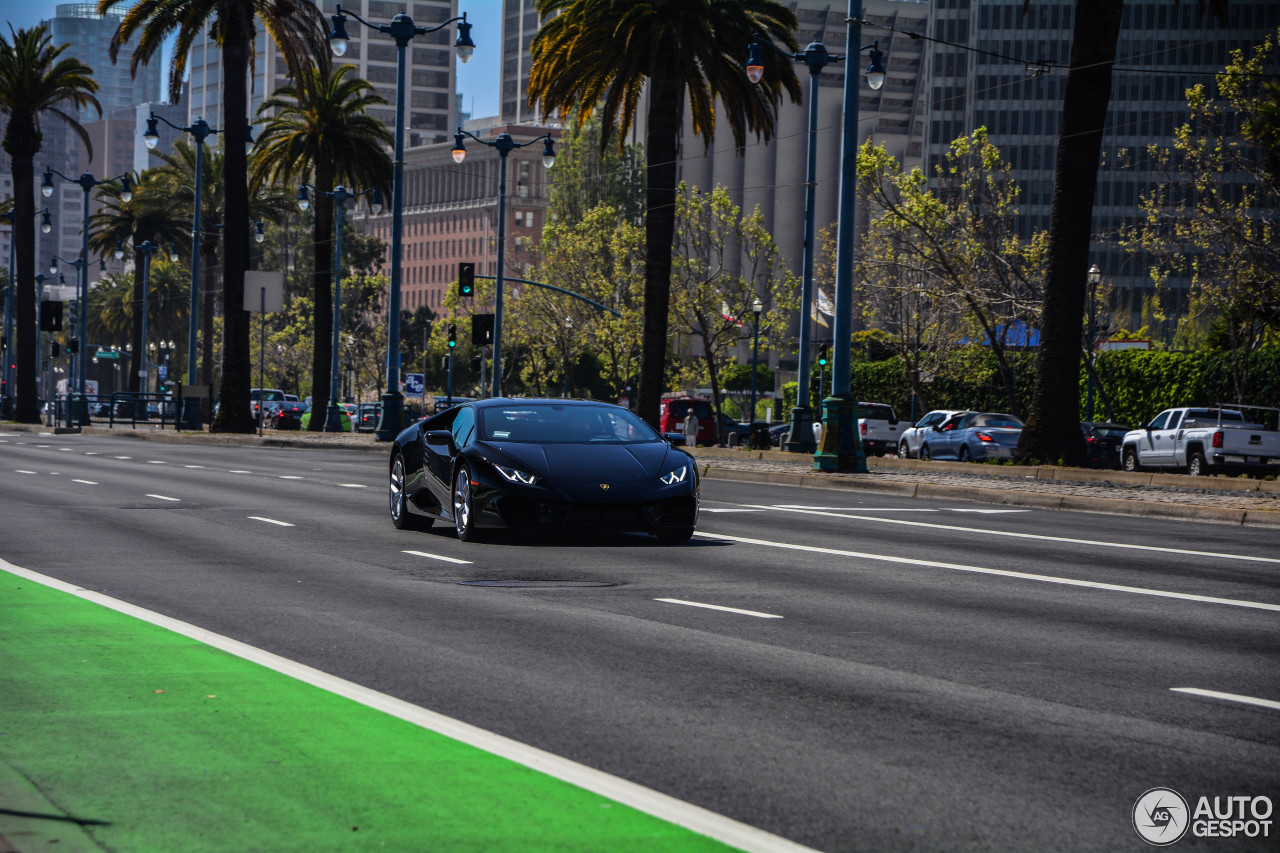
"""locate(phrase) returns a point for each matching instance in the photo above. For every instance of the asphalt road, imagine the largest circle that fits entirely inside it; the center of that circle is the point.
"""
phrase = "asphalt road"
(892, 674)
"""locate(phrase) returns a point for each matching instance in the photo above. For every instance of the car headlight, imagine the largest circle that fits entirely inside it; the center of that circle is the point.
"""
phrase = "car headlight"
(677, 476)
(515, 475)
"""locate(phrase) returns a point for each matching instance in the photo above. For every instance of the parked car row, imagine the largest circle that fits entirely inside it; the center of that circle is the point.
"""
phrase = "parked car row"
(980, 436)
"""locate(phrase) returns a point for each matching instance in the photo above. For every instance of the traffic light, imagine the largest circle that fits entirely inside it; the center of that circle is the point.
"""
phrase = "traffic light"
(481, 329)
(73, 346)
(476, 363)
(453, 336)
(466, 279)
(55, 350)
(50, 316)
(822, 354)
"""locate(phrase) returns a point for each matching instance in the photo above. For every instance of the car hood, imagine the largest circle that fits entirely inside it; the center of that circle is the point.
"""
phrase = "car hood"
(619, 463)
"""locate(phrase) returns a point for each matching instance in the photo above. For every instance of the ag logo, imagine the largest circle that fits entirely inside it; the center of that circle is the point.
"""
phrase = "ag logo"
(1161, 816)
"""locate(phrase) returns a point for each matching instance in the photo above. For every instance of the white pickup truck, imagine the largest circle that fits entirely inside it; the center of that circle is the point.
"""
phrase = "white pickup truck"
(878, 428)
(1204, 441)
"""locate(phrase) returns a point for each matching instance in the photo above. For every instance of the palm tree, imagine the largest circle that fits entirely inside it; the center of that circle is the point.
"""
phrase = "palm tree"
(154, 214)
(33, 80)
(606, 54)
(297, 26)
(1052, 430)
(321, 135)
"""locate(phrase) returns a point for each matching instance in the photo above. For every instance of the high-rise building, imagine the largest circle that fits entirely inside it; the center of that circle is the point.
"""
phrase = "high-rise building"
(431, 83)
(984, 69)
(88, 36)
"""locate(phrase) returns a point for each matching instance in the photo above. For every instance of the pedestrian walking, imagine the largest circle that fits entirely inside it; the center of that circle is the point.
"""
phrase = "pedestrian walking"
(691, 428)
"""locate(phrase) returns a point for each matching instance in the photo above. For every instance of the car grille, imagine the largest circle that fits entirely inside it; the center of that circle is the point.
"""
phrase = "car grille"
(523, 512)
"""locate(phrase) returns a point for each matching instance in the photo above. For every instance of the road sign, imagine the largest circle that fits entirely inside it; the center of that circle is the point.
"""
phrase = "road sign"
(414, 384)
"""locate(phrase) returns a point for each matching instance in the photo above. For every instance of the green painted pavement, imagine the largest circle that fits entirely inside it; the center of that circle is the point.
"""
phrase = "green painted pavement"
(117, 731)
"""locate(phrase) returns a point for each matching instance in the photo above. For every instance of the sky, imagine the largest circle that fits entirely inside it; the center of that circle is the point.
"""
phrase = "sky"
(478, 80)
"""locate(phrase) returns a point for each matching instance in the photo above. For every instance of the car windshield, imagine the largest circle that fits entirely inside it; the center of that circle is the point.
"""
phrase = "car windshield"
(550, 423)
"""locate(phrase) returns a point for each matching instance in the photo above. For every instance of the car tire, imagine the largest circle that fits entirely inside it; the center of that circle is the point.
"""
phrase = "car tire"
(464, 520)
(924, 452)
(401, 516)
(964, 454)
(1198, 466)
(1129, 461)
(675, 537)
(904, 450)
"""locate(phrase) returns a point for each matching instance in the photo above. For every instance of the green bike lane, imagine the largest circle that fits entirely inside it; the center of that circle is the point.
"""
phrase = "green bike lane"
(124, 730)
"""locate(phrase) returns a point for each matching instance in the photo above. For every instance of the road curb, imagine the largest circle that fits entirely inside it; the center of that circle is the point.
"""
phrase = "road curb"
(1006, 497)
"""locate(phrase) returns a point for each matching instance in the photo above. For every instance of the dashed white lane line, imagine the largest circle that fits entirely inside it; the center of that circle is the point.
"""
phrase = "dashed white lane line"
(719, 607)
(439, 557)
(1037, 536)
(270, 521)
(958, 567)
(23, 471)
(352, 486)
(156, 462)
(121, 457)
(164, 498)
(290, 477)
(1229, 697)
(193, 466)
(239, 472)
(728, 509)
(86, 482)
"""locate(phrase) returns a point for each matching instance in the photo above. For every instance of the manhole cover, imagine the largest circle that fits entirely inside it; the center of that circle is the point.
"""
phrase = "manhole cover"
(538, 583)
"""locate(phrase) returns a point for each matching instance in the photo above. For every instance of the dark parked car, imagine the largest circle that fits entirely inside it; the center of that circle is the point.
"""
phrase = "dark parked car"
(283, 415)
(541, 464)
(1103, 443)
(368, 416)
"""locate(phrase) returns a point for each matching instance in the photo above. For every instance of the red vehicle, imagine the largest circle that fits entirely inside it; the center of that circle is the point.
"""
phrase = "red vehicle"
(673, 410)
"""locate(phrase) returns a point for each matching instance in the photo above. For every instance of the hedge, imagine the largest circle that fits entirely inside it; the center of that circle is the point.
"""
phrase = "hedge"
(1140, 383)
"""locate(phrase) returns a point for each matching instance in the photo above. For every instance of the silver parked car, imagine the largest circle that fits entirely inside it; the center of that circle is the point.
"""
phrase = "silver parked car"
(909, 442)
(973, 437)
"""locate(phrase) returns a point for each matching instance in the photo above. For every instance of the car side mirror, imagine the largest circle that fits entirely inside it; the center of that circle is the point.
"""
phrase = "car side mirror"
(439, 438)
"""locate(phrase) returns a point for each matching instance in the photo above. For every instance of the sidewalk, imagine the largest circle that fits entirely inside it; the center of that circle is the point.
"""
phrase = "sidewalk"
(1225, 500)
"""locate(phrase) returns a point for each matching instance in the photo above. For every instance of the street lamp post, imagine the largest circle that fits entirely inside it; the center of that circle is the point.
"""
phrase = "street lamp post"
(568, 331)
(11, 293)
(402, 29)
(841, 449)
(816, 57)
(756, 307)
(340, 195)
(504, 145)
(1091, 335)
(200, 131)
(86, 182)
(74, 377)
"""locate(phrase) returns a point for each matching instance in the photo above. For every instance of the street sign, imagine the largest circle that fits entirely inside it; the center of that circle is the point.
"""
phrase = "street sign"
(108, 353)
(414, 384)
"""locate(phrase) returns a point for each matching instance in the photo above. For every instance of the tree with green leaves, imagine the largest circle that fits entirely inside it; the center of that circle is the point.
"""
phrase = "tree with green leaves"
(34, 80)
(711, 303)
(1052, 432)
(1213, 215)
(297, 27)
(320, 133)
(961, 238)
(606, 54)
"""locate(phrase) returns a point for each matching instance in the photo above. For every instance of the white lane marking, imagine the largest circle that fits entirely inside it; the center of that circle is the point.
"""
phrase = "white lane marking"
(164, 498)
(92, 453)
(990, 511)
(239, 472)
(662, 806)
(857, 509)
(121, 457)
(438, 557)
(1038, 536)
(65, 449)
(719, 607)
(730, 509)
(352, 486)
(290, 477)
(1230, 697)
(270, 521)
(24, 471)
(958, 567)
(156, 462)
(86, 482)
(192, 466)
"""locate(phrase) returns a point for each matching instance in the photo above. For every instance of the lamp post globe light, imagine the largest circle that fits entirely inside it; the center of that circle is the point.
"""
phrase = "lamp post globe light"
(200, 131)
(340, 196)
(504, 144)
(402, 29)
(815, 57)
(80, 365)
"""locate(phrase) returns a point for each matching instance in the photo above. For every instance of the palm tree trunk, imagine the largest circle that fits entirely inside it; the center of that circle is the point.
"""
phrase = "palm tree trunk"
(234, 415)
(23, 143)
(665, 107)
(1053, 431)
(322, 353)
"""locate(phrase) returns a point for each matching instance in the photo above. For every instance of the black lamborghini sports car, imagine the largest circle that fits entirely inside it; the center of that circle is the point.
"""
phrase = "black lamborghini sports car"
(541, 464)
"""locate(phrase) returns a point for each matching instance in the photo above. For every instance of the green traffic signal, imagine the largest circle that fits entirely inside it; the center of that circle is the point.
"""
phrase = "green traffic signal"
(453, 336)
(466, 279)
